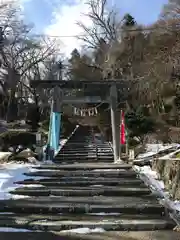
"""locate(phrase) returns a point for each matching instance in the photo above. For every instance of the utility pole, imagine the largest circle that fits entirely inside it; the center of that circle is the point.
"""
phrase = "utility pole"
(57, 93)
(59, 73)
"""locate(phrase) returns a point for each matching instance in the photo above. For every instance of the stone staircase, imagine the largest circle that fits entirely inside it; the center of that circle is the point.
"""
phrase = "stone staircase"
(84, 189)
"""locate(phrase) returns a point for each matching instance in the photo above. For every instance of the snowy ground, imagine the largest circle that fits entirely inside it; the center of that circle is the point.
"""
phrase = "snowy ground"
(13, 230)
(152, 179)
(13, 172)
(10, 173)
(153, 149)
(84, 230)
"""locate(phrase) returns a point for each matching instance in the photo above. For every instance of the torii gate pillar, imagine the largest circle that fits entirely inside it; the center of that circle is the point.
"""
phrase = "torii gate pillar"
(114, 122)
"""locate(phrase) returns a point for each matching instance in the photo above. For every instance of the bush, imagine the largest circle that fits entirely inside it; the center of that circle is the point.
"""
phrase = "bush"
(66, 126)
(45, 125)
(33, 117)
(138, 124)
(15, 138)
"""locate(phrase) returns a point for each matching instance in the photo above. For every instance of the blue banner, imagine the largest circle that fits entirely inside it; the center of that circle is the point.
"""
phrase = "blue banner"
(55, 124)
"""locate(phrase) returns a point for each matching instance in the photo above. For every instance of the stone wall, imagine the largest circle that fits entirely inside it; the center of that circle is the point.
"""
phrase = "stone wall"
(169, 171)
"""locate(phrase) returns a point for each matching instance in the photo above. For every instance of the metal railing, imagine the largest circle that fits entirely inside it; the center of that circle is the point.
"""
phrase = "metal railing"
(73, 132)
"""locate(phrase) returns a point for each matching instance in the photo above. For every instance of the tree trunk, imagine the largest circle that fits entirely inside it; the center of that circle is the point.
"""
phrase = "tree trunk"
(13, 79)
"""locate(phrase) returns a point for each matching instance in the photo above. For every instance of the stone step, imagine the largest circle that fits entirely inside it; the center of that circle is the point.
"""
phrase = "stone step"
(65, 152)
(86, 145)
(82, 191)
(20, 217)
(84, 158)
(77, 158)
(84, 182)
(122, 235)
(72, 149)
(88, 173)
(130, 201)
(94, 148)
(84, 166)
(86, 149)
(121, 181)
(109, 225)
(30, 206)
(78, 154)
(76, 143)
(81, 161)
(107, 235)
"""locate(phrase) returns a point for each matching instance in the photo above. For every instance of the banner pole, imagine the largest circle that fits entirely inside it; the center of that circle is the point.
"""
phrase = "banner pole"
(120, 145)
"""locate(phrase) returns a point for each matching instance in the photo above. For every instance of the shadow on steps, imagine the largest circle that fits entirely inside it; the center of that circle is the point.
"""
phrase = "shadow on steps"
(141, 235)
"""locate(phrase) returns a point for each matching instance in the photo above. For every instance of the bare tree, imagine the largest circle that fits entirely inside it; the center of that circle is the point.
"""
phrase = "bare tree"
(20, 53)
(104, 24)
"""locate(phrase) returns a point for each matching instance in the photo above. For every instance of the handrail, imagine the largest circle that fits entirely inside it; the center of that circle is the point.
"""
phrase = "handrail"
(167, 159)
(67, 140)
(56, 152)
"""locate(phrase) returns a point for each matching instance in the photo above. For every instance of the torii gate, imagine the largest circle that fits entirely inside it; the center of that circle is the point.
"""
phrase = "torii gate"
(109, 89)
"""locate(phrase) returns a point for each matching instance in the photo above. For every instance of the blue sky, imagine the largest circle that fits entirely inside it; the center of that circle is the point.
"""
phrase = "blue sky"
(58, 17)
(40, 12)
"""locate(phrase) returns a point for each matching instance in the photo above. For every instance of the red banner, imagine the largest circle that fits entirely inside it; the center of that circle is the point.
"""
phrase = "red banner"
(122, 134)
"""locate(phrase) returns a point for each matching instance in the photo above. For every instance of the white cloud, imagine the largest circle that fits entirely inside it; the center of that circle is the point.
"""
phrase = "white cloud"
(64, 24)
(17, 3)
(13, 1)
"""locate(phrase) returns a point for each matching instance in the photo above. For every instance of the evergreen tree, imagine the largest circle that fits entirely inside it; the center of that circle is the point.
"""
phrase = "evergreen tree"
(129, 20)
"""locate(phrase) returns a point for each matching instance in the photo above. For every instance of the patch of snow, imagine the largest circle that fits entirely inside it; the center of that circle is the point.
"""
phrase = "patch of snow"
(63, 142)
(10, 173)
(84, 230)
(160, 147)
(170, 155)
(107, 170)
(5, 154)
(7, 213)
(13, 230)
(96, 185)
(14, 172)
(151, 178)
(15, 196)
(48, 162)
(148, 171)
(105, 214)
(153, 149)
(176, 205)
(42, 170)
(146, 155)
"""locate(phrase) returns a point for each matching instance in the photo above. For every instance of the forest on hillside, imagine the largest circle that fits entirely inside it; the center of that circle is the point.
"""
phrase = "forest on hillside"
(115, 47)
